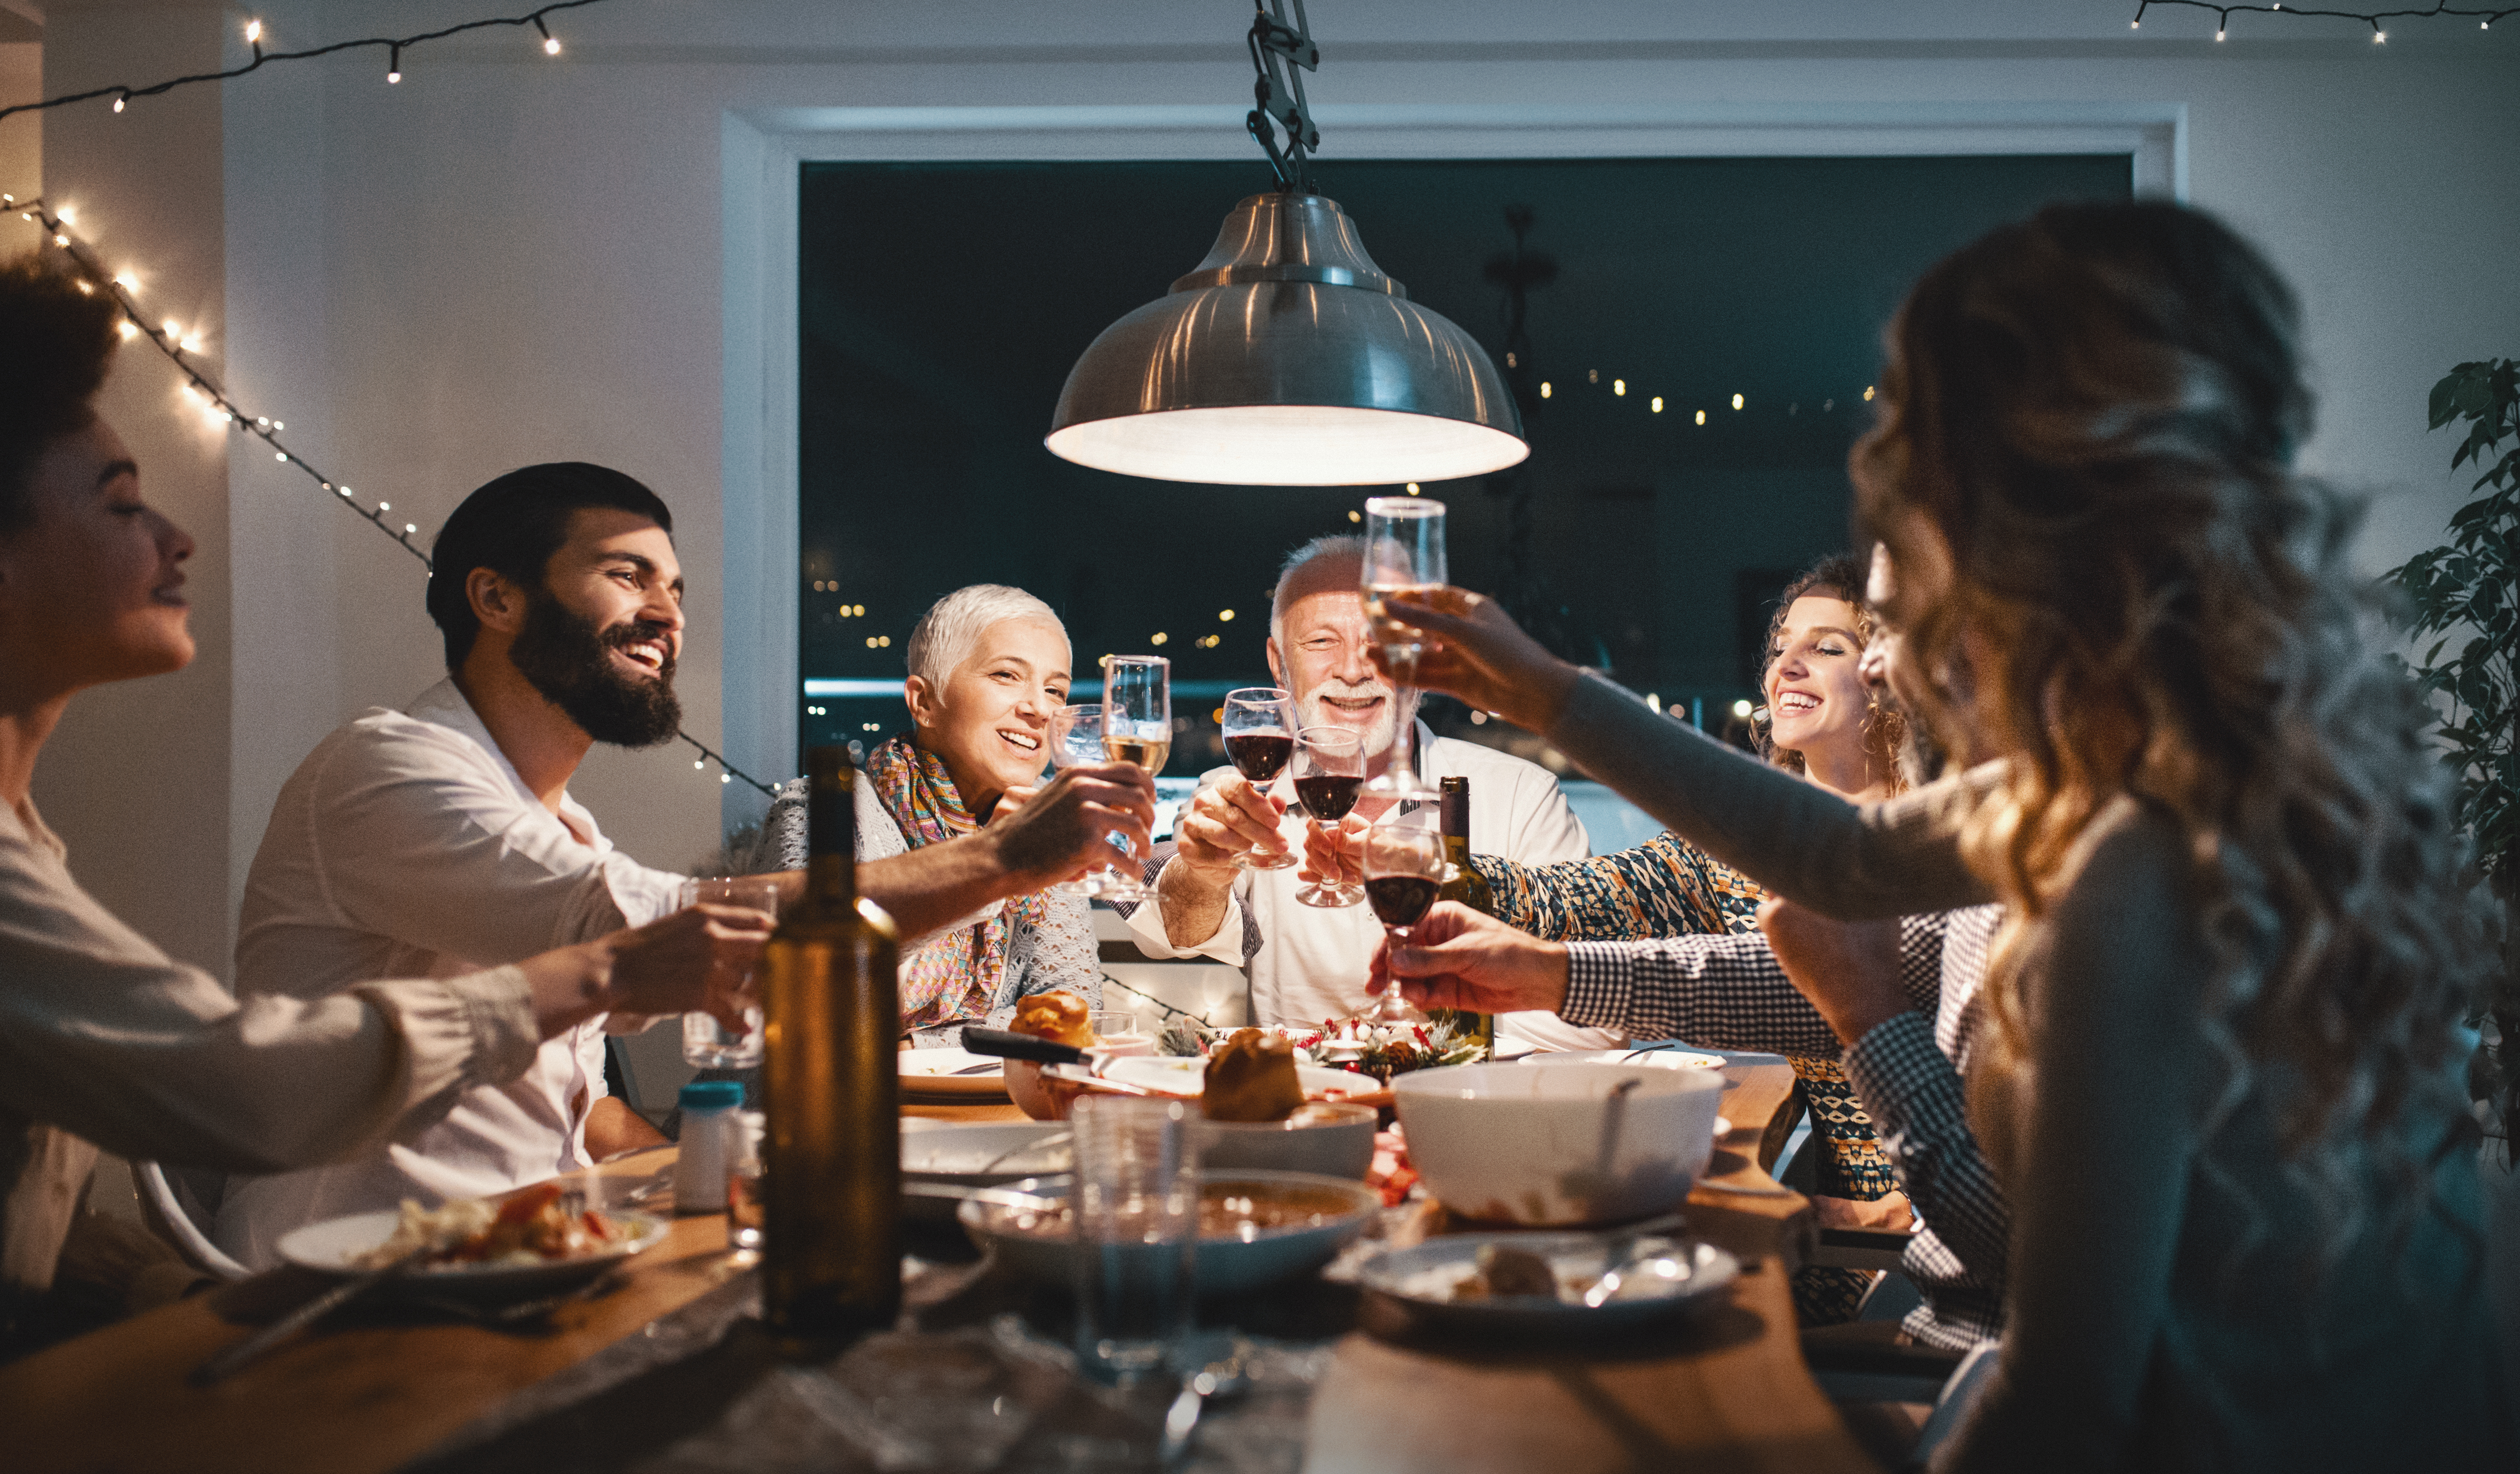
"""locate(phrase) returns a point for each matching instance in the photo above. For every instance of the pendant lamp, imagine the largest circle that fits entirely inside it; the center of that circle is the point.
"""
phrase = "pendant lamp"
(1288, 358)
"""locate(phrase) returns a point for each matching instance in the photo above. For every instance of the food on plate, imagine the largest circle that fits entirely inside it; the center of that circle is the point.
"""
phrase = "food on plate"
(1506, 1270)
(1226, 1210)
(1251, 1076)
(1359, 1045)
(1059, 1017)
(531, 1228)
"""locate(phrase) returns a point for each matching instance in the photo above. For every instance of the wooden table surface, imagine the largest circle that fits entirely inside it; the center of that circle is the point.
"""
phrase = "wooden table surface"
(366, 1395)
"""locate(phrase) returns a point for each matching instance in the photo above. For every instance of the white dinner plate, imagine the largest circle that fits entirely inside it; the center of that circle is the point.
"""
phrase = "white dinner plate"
(1423, 1279)
(932, 1072)
(329, 1247)
(1651, 1059)
(1186, 1075)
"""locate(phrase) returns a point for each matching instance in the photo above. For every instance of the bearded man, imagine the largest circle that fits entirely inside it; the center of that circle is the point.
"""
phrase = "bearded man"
(441, 838)
(1305, 964)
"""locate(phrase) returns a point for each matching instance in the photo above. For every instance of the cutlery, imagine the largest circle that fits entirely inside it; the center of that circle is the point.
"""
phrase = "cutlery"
(1005, 1044)
(995, 1064)
(1621, 1255)
(245, 1353)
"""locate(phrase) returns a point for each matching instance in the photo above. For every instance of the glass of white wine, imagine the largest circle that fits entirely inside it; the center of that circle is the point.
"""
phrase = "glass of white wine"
(1137, 727)
(1404, 556)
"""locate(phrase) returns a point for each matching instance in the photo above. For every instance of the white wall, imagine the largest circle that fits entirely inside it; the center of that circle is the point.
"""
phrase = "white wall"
(508, 259)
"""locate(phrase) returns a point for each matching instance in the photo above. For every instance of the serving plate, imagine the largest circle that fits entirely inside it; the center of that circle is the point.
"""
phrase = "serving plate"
(1226, 1265)
(1422, 1278)
(1186, 1075)
(932, 1072)
(329, 1247)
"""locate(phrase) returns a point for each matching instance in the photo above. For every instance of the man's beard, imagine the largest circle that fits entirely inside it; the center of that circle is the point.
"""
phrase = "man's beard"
(1376, 740)
(569, 660)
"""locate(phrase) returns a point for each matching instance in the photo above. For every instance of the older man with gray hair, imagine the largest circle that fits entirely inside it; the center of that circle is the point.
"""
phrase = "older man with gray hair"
(1305, 964)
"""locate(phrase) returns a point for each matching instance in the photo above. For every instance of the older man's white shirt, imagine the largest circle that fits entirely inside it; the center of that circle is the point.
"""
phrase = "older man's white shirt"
(1312, 962)
(406, 846)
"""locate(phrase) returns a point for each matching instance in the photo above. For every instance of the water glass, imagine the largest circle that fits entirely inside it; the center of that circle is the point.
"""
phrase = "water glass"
(706, 1043)
(1136, 1202)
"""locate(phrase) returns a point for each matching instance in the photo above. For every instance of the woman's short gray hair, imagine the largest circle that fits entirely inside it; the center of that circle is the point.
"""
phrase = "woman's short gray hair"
(947, 633)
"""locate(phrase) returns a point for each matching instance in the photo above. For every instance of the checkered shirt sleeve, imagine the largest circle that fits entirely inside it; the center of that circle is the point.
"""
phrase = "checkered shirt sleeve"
(1726, 990)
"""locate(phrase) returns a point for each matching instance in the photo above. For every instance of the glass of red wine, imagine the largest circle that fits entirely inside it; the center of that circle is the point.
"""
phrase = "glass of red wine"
(1260, 738)
(1404, 869)
(1329, 768)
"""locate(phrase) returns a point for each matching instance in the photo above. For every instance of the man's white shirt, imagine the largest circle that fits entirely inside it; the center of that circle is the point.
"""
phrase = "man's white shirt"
(1312, 962)
(406, 846)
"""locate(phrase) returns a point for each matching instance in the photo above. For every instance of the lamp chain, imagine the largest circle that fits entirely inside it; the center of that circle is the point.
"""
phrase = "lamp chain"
(1280, 54)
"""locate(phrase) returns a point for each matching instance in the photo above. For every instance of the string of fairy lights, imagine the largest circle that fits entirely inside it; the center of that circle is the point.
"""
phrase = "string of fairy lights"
(123, 94)
(203, 389)
(2376, 20)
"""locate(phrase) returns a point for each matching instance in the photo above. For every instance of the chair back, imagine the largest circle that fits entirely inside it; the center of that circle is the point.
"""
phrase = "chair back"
(177, 1217)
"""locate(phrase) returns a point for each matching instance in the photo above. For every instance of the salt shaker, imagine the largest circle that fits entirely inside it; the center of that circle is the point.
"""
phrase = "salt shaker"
(709, 1108)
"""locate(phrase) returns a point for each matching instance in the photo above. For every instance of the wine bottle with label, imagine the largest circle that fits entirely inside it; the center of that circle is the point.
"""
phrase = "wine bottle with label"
(831, 1251)
(1466, 885)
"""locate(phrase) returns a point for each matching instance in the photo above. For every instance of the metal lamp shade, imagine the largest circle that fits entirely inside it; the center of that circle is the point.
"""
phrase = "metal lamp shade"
(1286, 359)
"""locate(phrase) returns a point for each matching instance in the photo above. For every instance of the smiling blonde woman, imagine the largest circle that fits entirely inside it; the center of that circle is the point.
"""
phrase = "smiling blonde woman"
(988, 670)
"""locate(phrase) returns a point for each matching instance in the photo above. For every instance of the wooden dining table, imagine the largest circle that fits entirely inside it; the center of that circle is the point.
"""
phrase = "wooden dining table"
(1725, 1389)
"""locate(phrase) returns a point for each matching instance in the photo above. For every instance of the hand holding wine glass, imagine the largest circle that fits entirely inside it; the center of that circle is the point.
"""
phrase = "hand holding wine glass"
(1470, 648)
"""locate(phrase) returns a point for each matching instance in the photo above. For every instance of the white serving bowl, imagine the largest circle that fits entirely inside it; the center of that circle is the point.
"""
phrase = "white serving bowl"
(1554, 1147)
(1227, 1263)
(1330, 1138)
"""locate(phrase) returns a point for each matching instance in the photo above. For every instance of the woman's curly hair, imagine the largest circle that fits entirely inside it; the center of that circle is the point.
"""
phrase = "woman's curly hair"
(2084, 473)
(56, 342)
(1835, 577)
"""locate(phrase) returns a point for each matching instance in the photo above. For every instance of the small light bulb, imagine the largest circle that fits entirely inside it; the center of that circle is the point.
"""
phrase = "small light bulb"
(1657, 405)
(551, 46)
(411, 527)
(722, 777)
(127, 282)
(1413, 489)
(117, 105)
(69, 216)
(262, 419)
(2218, 36)
(344, 490)
(1701, 417)
(1544, 388)
(1619, 387)
(1592, 376)
(1354, 517)
(1225, 617)
(384, 506)
(1737, 401)
(2379, 38)
(61, 241)
(1741, 709)
(2131, 25)
(253, 31)
(278, 425)
(1868, 393)
(1160, 637)
(700, 762)
(86, 288)
(172, 330)
(192, 344)
(125, 328)
(281, 456)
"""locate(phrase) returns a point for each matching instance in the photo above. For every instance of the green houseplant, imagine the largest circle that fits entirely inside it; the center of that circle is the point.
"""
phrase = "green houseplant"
(2470, 586)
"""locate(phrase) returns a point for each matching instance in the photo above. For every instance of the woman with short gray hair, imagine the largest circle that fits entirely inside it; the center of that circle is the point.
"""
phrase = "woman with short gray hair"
(988, 670)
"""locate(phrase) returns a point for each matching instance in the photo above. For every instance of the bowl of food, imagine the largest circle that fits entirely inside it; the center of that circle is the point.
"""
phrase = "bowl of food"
(1559, 1146)
(1062, 1018)
(955, 1157)
(529, 1243)
(1255, 1228)
(1329, 1138)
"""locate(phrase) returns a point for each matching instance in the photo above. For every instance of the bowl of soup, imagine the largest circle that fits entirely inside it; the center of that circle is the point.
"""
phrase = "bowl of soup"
(1559, 1146)
(1255, 1228)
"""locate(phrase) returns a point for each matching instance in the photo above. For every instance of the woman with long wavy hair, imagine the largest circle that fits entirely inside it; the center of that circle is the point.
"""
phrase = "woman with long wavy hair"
(2222, 1086)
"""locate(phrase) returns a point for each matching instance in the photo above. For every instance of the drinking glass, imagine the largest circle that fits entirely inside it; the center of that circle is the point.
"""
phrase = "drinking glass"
(1076, 737)
(1330, 770)
(1137, 727)
(1404, 869)
(1260, 738)
(706, 1043)
(1404, 554)
(1135, 1204)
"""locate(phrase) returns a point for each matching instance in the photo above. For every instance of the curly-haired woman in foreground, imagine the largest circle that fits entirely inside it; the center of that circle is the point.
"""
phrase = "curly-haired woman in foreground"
(2222, 1085)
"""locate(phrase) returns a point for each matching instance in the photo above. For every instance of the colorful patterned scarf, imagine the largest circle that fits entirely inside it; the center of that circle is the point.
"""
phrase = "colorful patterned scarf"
(953, 977)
